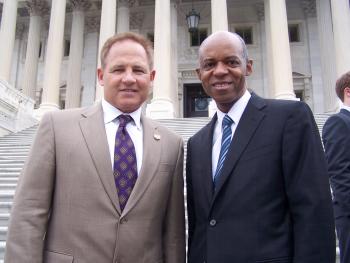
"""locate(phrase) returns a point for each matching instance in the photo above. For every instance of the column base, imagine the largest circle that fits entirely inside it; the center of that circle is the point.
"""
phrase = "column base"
(286, 96)
(44, 107)
(160, 109)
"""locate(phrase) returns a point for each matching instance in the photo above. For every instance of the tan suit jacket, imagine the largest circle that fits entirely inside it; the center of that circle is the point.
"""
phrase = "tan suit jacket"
(66, 206)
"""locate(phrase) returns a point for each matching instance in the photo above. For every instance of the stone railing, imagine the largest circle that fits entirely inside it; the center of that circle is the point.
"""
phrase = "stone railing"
(16, 109)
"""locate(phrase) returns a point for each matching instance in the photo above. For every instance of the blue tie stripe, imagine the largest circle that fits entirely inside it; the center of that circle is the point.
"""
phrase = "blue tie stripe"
(225, 144)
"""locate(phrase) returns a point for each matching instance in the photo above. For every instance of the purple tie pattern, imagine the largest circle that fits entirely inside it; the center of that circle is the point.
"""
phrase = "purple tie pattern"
(125, 163)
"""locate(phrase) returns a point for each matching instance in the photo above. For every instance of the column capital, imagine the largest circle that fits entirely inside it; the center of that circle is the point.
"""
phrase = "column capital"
(260, 10)
(126, 3)
(136, 19)
(80, 5)
(37, 7)
(20, 28)
(92, 24)
(309, 7)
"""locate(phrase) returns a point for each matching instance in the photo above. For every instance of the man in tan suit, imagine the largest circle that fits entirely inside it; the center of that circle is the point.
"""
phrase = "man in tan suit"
(69, 204)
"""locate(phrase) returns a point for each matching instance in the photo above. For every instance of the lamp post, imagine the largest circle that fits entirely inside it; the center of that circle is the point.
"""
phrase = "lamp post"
(192, 19)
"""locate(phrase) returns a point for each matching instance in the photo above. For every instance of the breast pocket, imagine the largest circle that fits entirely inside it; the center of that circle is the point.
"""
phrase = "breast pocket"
(257, 152)
(55, 257)
(275, 260)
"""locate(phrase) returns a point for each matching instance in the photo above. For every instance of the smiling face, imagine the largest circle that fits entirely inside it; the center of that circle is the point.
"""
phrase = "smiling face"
(126, 76)
(223, 69)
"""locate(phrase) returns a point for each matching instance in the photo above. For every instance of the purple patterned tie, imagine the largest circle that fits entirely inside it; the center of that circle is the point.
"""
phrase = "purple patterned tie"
(125, 166)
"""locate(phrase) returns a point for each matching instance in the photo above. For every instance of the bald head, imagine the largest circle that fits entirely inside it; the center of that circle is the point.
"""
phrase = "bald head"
(219, 37)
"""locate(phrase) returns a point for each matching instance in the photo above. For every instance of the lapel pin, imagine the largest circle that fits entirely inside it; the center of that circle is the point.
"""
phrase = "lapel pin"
(156, 136)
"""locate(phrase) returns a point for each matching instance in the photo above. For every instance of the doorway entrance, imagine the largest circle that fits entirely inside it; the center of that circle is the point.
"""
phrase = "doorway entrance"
(196, 101)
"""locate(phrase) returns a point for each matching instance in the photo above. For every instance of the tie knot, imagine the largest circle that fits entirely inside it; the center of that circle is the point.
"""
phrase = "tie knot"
(124, 119)
(227, 121)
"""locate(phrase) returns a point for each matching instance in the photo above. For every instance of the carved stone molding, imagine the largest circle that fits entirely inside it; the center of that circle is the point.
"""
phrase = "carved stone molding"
(80, 5)
(20, 29)
(92, 24)
(136, 19)
(37, 7)
(260, 10)
(309, 7)
(126, 3)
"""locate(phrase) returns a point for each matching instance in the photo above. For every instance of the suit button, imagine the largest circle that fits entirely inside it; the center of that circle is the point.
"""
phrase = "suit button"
(212, 222)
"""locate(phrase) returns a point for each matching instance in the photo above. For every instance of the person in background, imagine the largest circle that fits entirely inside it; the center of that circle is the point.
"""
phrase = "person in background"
(336, 139)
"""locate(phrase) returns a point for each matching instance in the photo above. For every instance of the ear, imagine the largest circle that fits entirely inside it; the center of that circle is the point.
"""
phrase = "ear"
(347, 92)
(100, 76)
(152, 75)
(249, 67)
(199, 73)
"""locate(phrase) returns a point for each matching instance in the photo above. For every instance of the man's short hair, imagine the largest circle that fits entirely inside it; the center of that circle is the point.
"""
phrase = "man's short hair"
(144, 42)
(341, 84)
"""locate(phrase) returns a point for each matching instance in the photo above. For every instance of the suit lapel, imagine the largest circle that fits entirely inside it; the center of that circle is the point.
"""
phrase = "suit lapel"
(207, 159)
(93, 129)
(150, 161)
(249, 122)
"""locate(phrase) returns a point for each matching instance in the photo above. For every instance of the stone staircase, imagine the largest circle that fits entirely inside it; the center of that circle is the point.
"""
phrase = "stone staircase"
(15, 147)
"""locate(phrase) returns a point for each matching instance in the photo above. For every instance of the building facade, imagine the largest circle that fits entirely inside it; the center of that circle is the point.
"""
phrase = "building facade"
(49, 49)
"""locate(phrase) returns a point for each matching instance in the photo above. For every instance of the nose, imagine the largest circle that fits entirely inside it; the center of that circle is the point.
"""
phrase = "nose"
(128, 77)
(220, 69)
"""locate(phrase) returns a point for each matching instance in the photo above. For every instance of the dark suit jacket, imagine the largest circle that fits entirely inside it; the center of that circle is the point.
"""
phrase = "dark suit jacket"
(336, 139)
(66, 208)
(272, 202)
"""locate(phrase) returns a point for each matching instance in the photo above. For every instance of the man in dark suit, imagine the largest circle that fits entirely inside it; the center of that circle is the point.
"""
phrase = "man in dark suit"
(99, 189)
(264, 195)
(336, 139)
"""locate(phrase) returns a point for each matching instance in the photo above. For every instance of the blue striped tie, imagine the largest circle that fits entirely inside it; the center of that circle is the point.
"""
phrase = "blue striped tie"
(225, 144)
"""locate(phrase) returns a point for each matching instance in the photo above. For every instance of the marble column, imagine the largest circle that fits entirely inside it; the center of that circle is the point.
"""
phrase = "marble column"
(51, 83)
(174, 63)
(279, 59)
(107, 29)
(123, 17)
(341, 29)
(36, 10)
(325, 32)
(7, 36)
(162, 105)
(219, 15)
(76, 53)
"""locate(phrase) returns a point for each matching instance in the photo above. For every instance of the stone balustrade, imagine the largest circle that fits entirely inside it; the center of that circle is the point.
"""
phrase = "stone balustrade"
(16, 109)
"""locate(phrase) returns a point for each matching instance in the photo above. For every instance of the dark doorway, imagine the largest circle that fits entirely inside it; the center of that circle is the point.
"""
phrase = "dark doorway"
(195, 101)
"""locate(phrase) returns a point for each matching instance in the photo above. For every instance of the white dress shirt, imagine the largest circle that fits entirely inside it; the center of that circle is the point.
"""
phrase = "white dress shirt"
(235, 114)
(110, 114)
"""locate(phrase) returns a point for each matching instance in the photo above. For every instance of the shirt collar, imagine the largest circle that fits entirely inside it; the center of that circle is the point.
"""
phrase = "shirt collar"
(236, 110)
(110, 113)
(345, 107)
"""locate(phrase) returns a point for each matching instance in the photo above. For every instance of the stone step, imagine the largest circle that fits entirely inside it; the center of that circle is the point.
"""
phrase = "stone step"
(8, 186)
(7, 195)
(4, 219)
(12, 174)
(9, 180)
(11, 169)
(3, 232)
(2, 250)
(10, 165)
(5, 206)
(4, 161)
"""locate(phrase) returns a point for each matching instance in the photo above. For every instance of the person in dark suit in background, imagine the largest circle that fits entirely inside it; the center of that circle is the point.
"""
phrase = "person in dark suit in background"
(264, 195)
(336, 139)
